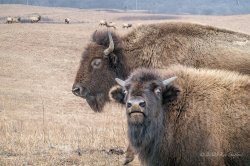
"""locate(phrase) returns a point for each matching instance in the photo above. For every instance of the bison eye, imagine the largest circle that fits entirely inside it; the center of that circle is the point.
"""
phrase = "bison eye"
(96, 63)
(157, 91)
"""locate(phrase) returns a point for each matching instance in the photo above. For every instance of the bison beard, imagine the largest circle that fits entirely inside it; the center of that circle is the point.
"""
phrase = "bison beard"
(142, 137)
(96, 102)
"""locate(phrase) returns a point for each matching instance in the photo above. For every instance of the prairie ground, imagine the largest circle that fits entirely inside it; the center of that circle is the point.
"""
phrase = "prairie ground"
(41, 121)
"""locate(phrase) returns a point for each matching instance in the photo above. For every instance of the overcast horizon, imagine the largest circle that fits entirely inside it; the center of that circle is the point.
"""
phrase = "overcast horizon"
(205, 7)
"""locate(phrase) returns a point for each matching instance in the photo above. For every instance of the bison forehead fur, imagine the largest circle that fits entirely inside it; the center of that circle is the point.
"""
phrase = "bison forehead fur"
(141, 79)
(143, 75)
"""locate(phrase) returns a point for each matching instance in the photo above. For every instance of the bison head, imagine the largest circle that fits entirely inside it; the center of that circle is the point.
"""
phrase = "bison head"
(144, 93)
(101, 63)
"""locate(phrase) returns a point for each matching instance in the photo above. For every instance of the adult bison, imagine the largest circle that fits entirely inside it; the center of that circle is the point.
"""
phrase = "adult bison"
(157, 45)
(202, 118)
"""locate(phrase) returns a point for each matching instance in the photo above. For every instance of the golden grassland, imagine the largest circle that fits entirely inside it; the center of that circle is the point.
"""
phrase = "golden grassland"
(41, 121)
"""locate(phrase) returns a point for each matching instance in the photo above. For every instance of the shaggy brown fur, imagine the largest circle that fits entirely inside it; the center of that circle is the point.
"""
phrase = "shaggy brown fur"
(158, 46)
(202, 118)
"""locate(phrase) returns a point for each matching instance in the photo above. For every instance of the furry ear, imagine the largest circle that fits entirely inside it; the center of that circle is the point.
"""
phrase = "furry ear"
(113, 59)
(170, 93)
(116, 94)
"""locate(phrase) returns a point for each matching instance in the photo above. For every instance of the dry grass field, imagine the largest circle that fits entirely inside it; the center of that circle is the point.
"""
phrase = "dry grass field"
(41, 121)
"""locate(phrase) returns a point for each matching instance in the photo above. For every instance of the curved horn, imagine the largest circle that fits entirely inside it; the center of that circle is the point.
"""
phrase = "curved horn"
(111, 45)
(168, 81)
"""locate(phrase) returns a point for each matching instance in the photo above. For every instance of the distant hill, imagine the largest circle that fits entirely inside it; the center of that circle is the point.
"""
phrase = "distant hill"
(204, 7)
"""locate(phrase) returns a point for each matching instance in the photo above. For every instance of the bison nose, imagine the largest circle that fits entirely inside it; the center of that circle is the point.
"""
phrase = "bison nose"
(79, 90)
(136, 102)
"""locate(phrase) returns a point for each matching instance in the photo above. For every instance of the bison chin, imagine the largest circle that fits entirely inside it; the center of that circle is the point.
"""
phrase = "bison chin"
(97, 102)
(136, 117)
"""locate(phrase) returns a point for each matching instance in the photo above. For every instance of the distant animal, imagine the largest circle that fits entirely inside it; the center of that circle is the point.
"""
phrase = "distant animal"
(107, 24)
(103, 23)
(66, 20)
(16, 19)
(126, 25)
(186, 116)
(108, 56)
(10, 20)
(35, 19)
(111, 25)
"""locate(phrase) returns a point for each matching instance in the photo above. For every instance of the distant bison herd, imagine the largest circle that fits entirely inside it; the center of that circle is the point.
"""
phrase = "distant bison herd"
(35, 19)
(32, 19)
(112, 24)
(189, 101)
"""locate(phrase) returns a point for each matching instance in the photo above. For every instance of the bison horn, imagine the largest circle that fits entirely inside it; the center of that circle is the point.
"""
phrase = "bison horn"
(168, 81)
(111, 45)
(120, 82)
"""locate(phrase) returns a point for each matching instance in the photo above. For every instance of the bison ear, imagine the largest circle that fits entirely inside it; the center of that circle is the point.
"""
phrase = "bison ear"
(116, 94)
(113, 59)
(170, 92)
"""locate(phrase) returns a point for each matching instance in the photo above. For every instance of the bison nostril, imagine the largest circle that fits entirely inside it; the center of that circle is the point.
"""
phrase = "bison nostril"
(76, 91)
(142, 104)
(129, 105)
(80, 90)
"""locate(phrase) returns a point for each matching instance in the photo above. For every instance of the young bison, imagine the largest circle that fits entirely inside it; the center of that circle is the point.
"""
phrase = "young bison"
(201, 118)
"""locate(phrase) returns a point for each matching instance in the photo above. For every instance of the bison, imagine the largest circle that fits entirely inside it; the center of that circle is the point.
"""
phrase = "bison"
(10, 20)
(102, 23)
(111, 25)
(126, 25)
(35, 19)
(201, 118)
(157, 45)
(66, 20)
(109, 56)
(107, 24)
